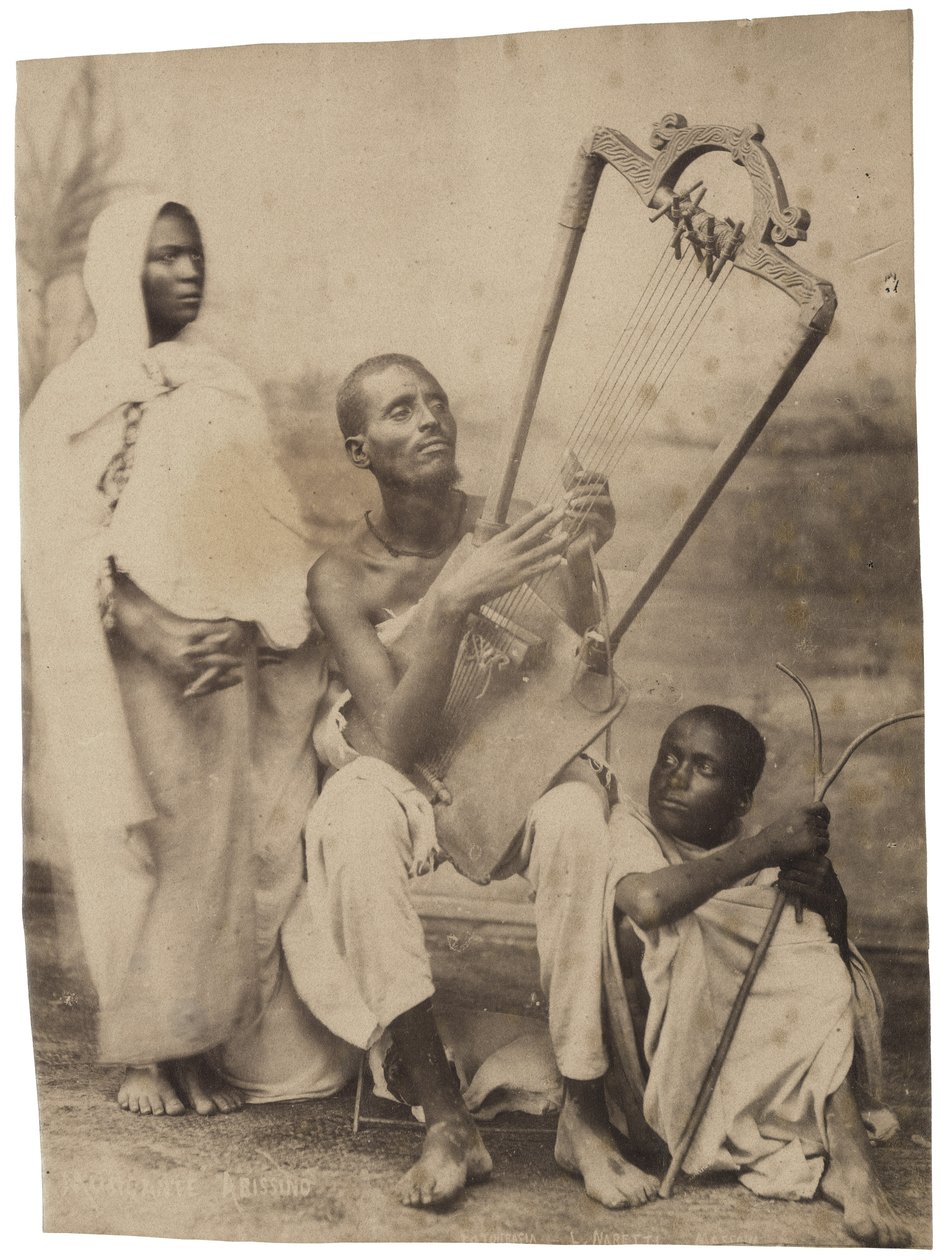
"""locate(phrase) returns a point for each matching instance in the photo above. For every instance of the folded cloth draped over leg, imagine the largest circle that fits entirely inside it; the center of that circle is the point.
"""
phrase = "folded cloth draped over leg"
(359, 957)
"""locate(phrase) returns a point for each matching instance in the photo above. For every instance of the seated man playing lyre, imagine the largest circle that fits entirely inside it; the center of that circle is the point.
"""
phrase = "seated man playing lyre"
(372, 827)
(784, 1113)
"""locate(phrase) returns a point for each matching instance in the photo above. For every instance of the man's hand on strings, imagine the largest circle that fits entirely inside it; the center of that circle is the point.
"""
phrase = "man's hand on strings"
(589, 503)
(812, 882)
(533, 545)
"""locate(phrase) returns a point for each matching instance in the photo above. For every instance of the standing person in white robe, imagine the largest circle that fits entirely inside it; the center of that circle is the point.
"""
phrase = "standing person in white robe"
(784, 1112)
(163, 564)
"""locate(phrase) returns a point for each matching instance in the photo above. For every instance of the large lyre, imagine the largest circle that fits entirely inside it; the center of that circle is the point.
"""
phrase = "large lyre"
(528, 693)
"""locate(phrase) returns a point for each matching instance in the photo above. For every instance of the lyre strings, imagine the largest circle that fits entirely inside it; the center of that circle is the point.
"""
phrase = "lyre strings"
(664, 320)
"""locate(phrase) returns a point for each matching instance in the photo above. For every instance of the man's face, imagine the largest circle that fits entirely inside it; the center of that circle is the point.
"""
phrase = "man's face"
(172, 282)
(408, 432)
(694, 794)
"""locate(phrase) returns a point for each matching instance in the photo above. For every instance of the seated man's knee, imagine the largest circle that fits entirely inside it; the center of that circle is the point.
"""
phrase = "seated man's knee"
(570, 820)
(362, 830)
(570, 804)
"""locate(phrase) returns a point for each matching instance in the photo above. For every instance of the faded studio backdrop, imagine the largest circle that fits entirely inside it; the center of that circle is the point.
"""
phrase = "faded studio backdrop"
(356, 199)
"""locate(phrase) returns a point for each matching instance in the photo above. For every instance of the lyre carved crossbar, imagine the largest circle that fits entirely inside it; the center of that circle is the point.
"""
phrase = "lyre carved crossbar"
(527, 694)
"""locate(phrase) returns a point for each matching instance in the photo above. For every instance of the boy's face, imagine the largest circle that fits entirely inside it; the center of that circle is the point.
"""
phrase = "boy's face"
(694, 794)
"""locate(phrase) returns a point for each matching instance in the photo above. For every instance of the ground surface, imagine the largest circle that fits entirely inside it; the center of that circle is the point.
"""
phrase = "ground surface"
(296, 1172)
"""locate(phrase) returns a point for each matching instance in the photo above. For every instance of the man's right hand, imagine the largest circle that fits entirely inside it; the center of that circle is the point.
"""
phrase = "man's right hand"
(798, 834)
(533, 545)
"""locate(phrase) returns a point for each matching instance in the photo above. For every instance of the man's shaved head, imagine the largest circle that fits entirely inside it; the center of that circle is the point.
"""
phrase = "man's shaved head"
(349, 398)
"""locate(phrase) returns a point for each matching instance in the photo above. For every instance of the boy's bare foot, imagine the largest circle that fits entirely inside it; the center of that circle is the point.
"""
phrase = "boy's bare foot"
(869, 1217)
(149, 1091)
(586, 1148)
(202, 1088)
(850, 1180)
(453, 1156)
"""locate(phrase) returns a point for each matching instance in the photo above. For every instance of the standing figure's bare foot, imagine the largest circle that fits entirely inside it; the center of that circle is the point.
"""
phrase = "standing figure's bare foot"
(202, 1087)
(453, 1156)
(869, 1217)
(149, 1091)
(586, 1148)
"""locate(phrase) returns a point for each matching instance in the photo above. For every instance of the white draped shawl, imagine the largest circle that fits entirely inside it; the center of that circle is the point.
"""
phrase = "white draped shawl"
(795, 1042)
(207, 525)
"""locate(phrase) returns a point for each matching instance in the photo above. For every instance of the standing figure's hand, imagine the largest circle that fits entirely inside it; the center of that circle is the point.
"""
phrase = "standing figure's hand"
(202, 656)
(589, 504)
(213, 656)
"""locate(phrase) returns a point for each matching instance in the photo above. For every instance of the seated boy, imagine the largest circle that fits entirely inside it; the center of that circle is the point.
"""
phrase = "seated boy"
(783, 1113)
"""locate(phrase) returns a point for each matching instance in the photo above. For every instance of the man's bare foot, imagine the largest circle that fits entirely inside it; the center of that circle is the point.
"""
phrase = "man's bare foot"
(149, 1091)
(202, 1088)
(869, 1217)
(586, 1148)
(453, 1156)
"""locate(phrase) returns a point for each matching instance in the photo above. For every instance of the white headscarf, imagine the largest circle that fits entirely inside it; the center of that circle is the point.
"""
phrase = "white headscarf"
(206, 524)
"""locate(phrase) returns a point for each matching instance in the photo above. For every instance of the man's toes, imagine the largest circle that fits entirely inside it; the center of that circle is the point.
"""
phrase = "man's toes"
(157, 1106)
(409, 1192)
(636, 1195)
(612, 1198)
(636, 1187)
(651, 1187)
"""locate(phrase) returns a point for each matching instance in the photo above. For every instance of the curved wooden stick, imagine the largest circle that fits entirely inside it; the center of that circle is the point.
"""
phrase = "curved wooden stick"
(855, 744)
(817, 770)
(706, 1091)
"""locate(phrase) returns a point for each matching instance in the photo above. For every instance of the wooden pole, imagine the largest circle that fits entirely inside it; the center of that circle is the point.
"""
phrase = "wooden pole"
(569, 236)
(717, 472)
(706, 1091)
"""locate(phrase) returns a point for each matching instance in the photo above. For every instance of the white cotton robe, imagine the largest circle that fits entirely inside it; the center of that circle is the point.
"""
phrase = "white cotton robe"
(795, 1043)
(182, 817)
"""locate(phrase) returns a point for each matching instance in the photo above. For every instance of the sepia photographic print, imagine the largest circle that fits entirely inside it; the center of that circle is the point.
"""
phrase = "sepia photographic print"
(472, 638)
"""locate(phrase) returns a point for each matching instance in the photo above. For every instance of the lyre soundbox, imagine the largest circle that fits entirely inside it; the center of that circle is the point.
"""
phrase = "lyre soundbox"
(528, 693)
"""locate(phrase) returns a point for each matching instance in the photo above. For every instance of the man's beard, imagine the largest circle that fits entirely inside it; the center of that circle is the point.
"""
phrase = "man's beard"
(434, 484)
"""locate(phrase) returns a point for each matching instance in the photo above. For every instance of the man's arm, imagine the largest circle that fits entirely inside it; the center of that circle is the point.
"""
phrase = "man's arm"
(398, 710)
(652, 899)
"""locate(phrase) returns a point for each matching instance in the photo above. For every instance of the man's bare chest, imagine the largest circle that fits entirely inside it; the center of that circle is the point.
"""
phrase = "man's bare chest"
(394, 586)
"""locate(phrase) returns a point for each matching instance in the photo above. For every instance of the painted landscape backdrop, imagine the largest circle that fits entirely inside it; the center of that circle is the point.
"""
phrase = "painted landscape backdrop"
(356, 199)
